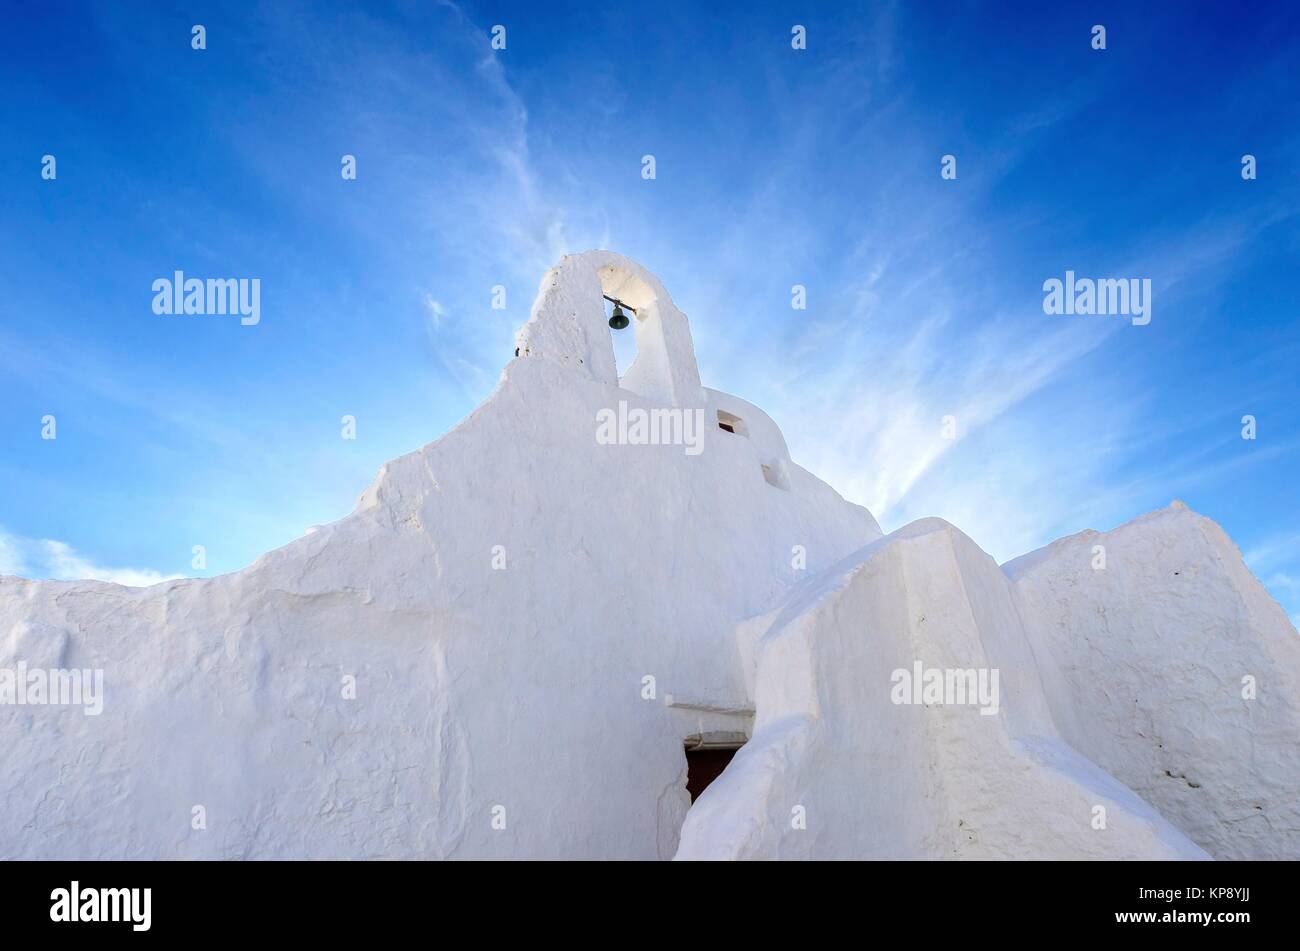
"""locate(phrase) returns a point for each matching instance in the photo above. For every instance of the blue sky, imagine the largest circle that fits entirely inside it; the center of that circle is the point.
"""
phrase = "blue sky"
(775, 167)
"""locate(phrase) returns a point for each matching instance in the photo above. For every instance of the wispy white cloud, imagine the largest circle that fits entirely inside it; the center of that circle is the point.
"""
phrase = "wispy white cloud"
(11, 559)
(435, 312)
(1272, 551)
(46, 558)
(64, 564)
(877, 432)
(927, 312)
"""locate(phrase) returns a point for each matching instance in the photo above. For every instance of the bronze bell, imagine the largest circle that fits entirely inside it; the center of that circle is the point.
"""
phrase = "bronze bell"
(618, 320)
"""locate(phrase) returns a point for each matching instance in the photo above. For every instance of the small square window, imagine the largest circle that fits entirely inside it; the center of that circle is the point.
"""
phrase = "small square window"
(731, 424)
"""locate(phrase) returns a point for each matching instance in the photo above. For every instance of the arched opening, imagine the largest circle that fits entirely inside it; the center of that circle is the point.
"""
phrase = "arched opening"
(624, 339)
(570, 320)
(641, 358)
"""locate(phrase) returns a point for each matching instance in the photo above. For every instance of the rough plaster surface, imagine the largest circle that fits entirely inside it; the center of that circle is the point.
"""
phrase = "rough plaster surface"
(1149, 656)
(520, 692)
(883, 780)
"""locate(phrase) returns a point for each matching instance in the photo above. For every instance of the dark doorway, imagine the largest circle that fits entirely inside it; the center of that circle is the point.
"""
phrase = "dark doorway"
(703, 766)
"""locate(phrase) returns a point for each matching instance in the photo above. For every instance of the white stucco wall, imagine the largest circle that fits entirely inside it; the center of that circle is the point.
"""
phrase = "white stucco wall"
(501, 596)
(836, 769)
(476, 687)
(1150, 654)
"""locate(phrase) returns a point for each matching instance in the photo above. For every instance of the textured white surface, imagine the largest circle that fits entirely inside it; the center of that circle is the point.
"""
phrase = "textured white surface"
(880, 780)
(1150, 653)
(476, 687)
(519, 692)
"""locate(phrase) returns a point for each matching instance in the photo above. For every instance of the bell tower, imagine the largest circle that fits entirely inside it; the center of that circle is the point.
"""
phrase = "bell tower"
(568, 325)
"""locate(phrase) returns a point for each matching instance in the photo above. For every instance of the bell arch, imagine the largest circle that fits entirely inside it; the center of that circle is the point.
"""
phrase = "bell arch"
(568, 325)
